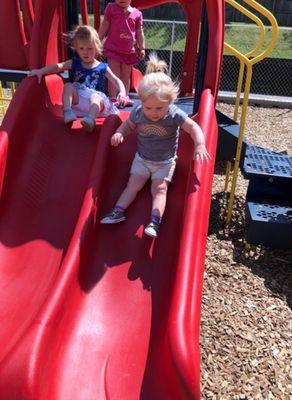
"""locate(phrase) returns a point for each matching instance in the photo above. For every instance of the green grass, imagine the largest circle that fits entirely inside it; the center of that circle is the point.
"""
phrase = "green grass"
(245, 39)
(158, 36)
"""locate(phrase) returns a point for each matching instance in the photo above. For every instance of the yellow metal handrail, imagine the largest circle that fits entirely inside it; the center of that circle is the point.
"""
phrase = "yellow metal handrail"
(5, 100)
(248, 62)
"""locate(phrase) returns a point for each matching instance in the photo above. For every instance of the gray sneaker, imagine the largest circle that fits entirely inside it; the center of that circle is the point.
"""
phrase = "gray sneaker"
(113, 217)
(152, 229)
(88, 123)
(69, 116)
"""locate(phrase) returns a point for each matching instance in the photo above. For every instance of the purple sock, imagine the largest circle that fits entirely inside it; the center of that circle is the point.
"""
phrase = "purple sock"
(155, 218)
(119, 208)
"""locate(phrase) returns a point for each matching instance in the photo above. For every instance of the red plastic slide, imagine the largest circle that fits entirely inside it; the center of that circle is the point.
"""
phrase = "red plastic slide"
(15, 30)
(92, 312)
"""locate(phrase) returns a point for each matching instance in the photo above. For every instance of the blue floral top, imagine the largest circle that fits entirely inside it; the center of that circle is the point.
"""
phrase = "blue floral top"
(88, 78)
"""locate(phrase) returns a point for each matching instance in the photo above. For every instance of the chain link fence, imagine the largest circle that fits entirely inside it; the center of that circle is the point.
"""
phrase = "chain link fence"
(167, 39)
(271, 76)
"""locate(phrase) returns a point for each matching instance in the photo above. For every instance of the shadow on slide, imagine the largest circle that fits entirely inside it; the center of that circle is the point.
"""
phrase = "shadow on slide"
(90, 311)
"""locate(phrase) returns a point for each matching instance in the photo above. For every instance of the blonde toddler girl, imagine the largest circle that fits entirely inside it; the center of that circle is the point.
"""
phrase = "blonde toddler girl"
(157, 122)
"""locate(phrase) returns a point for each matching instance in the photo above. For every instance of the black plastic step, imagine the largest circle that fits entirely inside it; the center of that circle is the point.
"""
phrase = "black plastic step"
(261, 162)
(269, 224)
(265, 189)
(228, 138)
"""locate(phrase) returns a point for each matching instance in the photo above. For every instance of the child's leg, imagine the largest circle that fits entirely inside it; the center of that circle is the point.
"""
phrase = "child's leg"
(69, 96)
(159, 191)
(135, 183)
(126, 76)
(115, 66)
(95, 105)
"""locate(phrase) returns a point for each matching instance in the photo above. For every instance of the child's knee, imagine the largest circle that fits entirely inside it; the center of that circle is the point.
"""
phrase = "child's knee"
(159, 187)
(96, 99)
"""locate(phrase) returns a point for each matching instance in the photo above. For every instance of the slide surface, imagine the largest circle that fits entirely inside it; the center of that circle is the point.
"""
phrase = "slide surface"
(45, 178)
(86, 307)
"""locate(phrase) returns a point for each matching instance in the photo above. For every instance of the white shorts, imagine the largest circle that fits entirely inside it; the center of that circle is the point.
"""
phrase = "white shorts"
(82, 108)
(155, 169)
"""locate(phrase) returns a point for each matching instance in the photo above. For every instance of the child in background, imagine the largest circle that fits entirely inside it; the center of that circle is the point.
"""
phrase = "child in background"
(125, 44)
(84, 95)
(157, 122)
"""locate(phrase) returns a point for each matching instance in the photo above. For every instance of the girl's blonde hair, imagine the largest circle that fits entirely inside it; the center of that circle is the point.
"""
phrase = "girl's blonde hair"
(156, 82)
(84, 33)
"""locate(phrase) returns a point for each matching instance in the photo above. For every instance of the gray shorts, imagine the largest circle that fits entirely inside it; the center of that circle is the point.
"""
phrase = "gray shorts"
(155, 169)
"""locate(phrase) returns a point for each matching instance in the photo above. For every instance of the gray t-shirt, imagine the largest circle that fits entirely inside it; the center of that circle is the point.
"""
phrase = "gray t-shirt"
(158, 140)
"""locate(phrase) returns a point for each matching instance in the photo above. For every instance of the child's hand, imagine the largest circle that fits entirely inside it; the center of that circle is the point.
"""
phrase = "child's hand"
(117, 139)
(201, 154)
(37, 73)
(141, 54)
(121, 100)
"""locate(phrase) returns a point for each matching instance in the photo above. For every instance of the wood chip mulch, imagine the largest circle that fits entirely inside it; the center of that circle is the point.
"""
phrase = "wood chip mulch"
(246, 326)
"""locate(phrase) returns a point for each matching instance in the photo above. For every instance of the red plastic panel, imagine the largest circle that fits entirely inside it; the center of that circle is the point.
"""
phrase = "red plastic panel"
(28, 17)
(12, 37)
(84, 12)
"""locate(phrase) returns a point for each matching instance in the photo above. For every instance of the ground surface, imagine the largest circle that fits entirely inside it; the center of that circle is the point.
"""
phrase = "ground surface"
(246, 329)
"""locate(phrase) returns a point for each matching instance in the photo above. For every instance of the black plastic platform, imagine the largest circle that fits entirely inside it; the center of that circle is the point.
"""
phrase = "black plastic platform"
(265, 189)
(269, 224)
(184, 103)
(261, 162)
(269, 200)
(228, 138)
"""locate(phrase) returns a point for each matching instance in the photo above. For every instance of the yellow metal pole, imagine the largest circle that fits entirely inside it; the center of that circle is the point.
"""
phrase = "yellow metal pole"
(248, 63)
(13, 88)
(239, 88)
(239, 142)
(241, 73)
(2, 99)
(227, 175)
(257, 20)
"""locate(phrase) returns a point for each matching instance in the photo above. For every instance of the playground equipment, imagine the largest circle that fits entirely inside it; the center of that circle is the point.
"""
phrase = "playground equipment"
(269, 207)
(91, 311)
(247, 61)
(14, 44)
